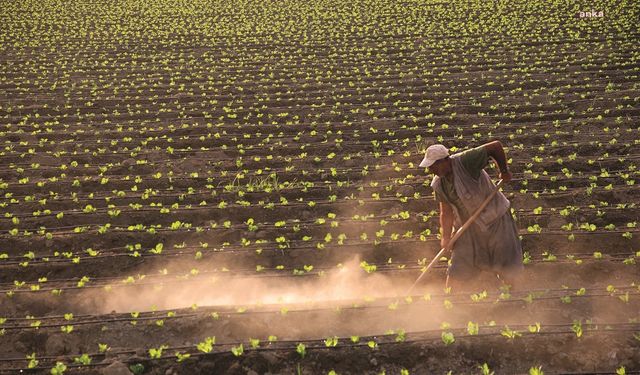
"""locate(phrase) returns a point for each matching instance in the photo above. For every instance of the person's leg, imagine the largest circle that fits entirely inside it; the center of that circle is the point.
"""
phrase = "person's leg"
(462, 270)
(506, 249)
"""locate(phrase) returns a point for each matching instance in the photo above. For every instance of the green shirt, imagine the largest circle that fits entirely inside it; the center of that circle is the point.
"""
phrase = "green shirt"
(473, 160)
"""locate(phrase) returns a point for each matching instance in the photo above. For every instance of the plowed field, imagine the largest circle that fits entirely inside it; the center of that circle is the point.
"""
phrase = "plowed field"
(232, 187)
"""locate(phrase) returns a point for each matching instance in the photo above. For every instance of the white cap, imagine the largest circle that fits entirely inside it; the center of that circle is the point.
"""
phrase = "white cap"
(433, 154)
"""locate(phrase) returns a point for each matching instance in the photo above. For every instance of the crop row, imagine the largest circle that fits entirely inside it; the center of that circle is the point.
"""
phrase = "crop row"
(327, 227)
(621, 144)
(350, 81)
(202, 271)
(395, 104)
(406, 126)
(301, 257)
(74, 255)
(253, 176)
(328, 26)
(350, 131)
(362, 134)
(305, 54)
(399, 337)
(322, 214)
(406, 86)
(249, 59)
(142, 196)
(122, 213)
(624, 295)
(90, 194)
(409, 93)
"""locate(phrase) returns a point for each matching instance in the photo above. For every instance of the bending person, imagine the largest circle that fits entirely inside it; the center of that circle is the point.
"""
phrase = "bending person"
(460, 186)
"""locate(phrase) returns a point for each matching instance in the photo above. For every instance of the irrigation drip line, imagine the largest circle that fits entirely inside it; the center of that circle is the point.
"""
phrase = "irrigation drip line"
(394, 40)
(353, 304)
(280, 98)
(519, 213)
(394, 43)
(569, 258)
(315, 88)
(176, 280)
(377, 83)
(315, 91)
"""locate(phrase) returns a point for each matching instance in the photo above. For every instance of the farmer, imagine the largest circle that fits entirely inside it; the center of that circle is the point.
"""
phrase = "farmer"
(460, 185)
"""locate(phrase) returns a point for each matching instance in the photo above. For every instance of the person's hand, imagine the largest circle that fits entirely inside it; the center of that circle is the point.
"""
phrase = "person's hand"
(444, 242)
(506, 176)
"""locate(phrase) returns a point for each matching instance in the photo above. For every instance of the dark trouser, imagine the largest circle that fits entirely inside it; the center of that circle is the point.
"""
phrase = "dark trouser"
(497, 250)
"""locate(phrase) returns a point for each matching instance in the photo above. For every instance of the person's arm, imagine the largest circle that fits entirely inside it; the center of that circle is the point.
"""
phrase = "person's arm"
(446, 223)
(496, 151)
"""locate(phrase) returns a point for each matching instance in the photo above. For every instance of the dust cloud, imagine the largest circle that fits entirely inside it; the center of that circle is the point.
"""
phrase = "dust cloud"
(348, 284)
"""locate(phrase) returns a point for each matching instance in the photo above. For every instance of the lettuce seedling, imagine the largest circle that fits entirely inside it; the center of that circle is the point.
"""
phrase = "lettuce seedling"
(301, 349)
